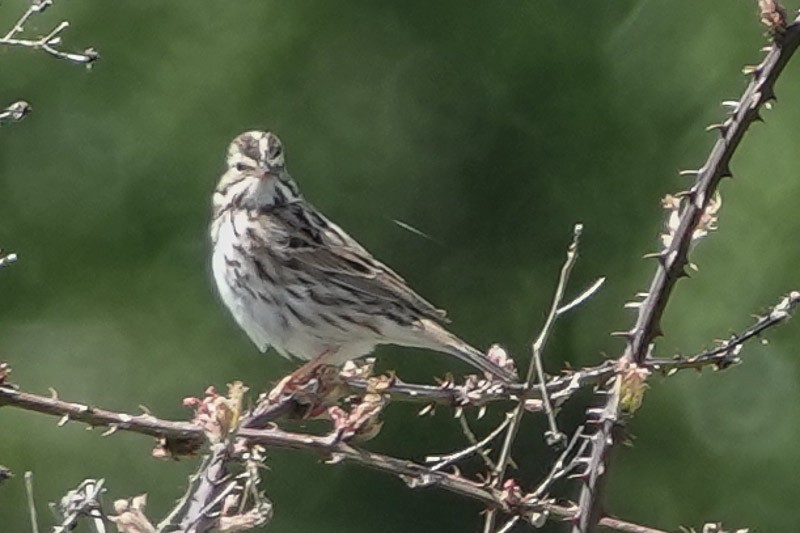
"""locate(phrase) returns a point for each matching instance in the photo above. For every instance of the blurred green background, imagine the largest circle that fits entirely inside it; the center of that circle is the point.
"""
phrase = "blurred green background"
(491, 126)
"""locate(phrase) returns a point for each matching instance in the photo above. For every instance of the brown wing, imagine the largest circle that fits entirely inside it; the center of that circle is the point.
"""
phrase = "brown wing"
(316, 246)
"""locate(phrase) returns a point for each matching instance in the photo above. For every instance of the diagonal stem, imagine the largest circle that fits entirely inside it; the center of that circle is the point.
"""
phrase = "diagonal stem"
(534, 371)
(674, 258)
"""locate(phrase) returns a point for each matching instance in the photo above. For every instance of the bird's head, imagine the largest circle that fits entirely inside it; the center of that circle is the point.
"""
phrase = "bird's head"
(257, 152)
(256, 177)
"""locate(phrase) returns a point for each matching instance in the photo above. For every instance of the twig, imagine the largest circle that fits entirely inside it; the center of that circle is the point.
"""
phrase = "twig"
(727, 353)
(473, 440)
(626, 527)
(81, 501)
(560, 469)
(35, 7)
(445, 460)
(510, 523)
(49, 42)
(196, 511)
(534, 371)
(582, 297)
(188, 434)
(672, 260)
(414, 474)
(31, 503)
(15, 112)
(471, 394)
(330, 447)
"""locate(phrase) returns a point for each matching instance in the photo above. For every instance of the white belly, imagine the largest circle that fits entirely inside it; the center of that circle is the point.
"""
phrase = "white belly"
(230, 267)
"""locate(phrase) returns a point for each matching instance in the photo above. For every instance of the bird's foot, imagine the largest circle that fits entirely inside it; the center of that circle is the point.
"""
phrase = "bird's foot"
(311, 389)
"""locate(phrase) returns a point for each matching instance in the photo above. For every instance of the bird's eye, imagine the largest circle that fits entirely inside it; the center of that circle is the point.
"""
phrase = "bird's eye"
(241, 167)
(275, 151)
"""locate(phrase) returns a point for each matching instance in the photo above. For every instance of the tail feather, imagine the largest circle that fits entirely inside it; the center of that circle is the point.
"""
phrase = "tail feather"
(471, 356)
(445, 341)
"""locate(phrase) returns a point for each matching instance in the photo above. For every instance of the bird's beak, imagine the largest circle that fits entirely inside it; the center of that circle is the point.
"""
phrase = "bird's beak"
(264, 172)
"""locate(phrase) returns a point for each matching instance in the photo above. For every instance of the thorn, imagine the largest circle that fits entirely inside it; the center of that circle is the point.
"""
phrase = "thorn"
(751, 70)
(653, 255)
(722, 127)
(757, 117)
(725, 172)
(683, 273)
(624, 334)
(688, 172)
(657, 331)
(428, 409)
(731, 104)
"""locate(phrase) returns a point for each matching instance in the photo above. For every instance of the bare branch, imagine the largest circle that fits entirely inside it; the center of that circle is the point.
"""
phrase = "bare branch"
(473, 440)
(445, 460)
(535, 372)
(198, 510)
(727, 353)
(626, 527)
(562, 467)
(83, 501)
(213, 483)
(188, 435)
(31, 503)
(477, 392)
(582, 297)
(48, 43)
(15, 112)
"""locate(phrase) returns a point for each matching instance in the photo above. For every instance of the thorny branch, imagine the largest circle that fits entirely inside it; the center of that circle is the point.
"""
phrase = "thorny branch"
(694, 218)
(330, 447)
(727, 353)
(179, 438)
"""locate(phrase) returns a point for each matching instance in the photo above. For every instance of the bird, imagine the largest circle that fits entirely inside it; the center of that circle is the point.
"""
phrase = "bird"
(295, 281)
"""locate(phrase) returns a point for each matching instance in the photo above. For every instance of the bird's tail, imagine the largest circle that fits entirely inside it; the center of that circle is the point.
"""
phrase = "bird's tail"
(474, 357)
(451, 344)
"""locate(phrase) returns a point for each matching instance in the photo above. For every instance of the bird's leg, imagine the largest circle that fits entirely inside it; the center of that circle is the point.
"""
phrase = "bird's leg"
(314, 386)
(311, 366)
